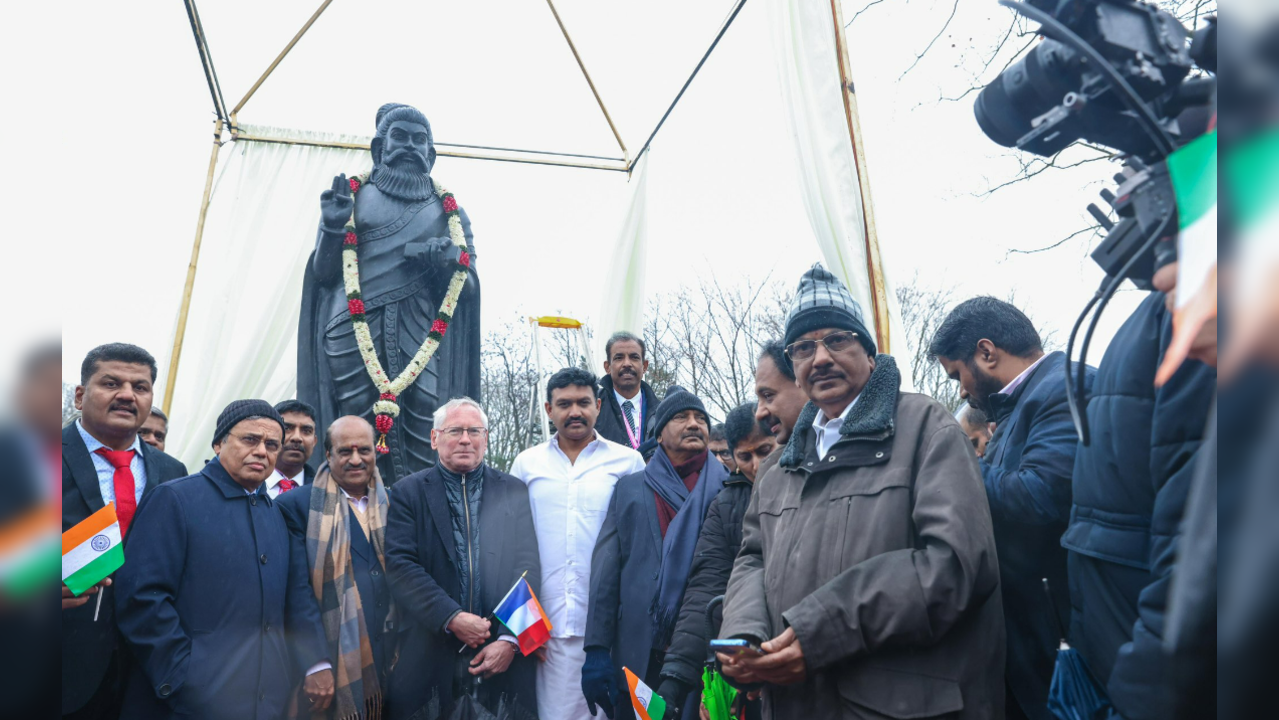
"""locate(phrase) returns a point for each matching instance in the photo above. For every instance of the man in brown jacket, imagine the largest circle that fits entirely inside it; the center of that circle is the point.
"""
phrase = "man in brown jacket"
(868, 571)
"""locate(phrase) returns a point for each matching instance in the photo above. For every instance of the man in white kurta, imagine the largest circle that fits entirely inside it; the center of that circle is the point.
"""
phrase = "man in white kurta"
(570, 480)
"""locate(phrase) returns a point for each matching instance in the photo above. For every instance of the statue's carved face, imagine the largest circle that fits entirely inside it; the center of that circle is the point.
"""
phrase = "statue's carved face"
(407, 146)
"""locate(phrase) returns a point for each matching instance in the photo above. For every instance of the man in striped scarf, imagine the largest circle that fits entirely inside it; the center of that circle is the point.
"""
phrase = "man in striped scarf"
(341, 519)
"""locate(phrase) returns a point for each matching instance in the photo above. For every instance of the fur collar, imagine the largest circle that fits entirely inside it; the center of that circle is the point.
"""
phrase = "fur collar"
(873, 414)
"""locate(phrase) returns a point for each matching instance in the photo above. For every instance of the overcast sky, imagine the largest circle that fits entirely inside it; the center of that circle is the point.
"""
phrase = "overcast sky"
(120, 97)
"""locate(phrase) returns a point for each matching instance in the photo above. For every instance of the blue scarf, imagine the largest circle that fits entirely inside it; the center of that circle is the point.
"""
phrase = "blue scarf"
(681, 537)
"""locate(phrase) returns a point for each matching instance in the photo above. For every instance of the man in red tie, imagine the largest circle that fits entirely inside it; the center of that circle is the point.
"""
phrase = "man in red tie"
(104, 461)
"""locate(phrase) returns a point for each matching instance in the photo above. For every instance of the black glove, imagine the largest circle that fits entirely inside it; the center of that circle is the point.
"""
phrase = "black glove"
(674, 692)
(599, 682)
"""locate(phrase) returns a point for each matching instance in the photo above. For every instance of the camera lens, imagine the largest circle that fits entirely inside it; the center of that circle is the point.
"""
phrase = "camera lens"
(1006, 108)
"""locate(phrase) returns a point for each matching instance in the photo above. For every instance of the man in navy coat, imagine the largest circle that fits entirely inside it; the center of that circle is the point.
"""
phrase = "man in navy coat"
(114, 399)
(995, 353)
(643, 556)
(213, 602)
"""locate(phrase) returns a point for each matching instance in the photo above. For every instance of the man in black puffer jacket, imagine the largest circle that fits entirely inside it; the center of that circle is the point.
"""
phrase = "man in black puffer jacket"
(717, 546)
(1129, 490)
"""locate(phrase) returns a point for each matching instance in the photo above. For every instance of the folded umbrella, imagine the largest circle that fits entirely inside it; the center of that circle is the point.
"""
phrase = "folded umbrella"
(1074, 694)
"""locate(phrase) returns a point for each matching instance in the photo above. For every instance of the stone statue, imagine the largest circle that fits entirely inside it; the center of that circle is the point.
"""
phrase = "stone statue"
(406, 261)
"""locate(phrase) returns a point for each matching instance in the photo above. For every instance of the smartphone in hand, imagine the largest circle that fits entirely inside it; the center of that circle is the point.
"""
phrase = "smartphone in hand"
(736, 646)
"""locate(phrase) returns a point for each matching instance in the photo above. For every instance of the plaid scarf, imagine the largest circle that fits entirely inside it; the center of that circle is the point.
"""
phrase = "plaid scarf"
(358, 693)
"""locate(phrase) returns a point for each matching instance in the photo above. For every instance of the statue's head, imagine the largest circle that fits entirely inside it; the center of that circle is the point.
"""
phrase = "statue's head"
(403, 141)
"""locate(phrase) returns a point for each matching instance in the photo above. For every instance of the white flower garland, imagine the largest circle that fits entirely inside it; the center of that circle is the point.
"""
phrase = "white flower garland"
(387, 408)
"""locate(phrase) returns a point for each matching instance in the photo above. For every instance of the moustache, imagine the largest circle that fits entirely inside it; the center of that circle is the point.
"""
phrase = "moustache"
(825, 375)
(695, 434)
(130, 407)
(353, 468)
(295, 446)
(401, 155)
(575, 421)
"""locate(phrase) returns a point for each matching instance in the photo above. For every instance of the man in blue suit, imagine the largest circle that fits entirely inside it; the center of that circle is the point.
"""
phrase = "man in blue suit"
(992, 349)
(643, 556)
(213, 601)
(340, 522)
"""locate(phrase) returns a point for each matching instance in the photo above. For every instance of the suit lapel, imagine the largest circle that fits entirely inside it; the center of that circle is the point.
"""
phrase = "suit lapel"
(437, 503)
(76, 455)
(649, 500)
(152, 468)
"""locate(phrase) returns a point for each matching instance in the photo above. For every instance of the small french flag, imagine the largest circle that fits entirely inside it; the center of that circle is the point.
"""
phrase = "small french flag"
(523, 615)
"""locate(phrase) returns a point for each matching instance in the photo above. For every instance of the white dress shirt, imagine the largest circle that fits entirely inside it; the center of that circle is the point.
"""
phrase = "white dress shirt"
(273, 482)
(569, 502)
(106, 472)
(1017, 381)
(827, 429)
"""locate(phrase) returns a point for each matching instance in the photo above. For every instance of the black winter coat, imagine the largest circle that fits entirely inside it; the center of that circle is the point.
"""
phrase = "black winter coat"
(611, 425)
(1129, 491)
(421, 562)
(717, 547)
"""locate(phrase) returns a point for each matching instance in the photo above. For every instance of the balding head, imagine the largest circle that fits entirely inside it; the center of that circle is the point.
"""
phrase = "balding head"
(348, 447)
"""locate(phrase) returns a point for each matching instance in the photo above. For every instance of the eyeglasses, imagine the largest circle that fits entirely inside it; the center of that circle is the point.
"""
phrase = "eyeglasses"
(455, 433)
(836, 342)
(251, 442)
(723, 454)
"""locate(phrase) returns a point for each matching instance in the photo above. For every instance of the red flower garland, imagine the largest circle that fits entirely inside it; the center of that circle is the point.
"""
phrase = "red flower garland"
(356, 306)
(450, 204)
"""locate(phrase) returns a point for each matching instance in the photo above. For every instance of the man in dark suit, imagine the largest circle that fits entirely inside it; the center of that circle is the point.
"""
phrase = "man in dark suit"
(213, 603)
(627, 403)
(644, 553)
(104, 461)
(993, 350)
(300, 438)
(459, 537)
(339, 522)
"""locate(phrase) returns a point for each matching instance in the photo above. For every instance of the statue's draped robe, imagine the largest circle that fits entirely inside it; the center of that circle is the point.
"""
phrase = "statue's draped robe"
(401, 300)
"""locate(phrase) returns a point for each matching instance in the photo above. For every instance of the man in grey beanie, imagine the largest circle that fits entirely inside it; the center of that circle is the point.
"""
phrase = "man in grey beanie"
(867, 573)
(214, 603)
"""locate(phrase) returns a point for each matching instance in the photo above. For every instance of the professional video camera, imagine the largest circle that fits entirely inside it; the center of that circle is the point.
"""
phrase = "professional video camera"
(1121, 74)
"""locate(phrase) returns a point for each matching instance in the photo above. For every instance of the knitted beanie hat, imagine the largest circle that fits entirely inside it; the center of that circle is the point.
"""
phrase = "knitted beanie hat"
(240, 410)
(822, 301)
(677, 400)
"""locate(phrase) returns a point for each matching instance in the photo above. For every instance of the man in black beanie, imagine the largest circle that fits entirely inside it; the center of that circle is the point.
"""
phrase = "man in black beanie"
(867, 572)
(214, 601)
(643, 556)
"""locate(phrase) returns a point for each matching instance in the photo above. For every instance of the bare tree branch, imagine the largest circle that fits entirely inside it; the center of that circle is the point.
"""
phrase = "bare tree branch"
(954, 9)
(1059, 243)
(857, 14)
(1037, 165)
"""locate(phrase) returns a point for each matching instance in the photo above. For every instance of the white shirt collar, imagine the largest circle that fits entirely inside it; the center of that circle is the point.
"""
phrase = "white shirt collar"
(93, 443)
(274, 479)
(361, 503)
(1017, 381)
(826, 430)
(823, 422)
(637, 401)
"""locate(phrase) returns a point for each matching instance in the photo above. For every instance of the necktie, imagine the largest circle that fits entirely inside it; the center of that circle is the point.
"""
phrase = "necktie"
(286, 485)
(126, 501)
(629, 410)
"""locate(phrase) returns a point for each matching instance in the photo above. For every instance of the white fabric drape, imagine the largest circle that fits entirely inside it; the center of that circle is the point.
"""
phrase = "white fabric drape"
(241, 338)
(623, 302)
(808, 73)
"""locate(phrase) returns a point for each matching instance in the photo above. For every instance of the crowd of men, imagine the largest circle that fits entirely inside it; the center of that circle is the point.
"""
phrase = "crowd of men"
(880, 555)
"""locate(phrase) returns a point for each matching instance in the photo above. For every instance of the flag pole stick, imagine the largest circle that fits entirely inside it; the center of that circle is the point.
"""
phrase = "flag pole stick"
(98, 606)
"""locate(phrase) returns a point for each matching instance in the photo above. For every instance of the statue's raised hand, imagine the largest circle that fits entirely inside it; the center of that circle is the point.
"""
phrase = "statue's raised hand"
(336, 204)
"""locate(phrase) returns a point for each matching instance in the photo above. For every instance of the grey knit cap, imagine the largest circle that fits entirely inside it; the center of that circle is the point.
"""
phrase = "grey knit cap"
(822, 301)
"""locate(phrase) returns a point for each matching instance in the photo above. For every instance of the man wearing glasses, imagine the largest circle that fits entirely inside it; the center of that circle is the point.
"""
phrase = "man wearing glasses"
(213, 600)
(458, 537)
(867, 574)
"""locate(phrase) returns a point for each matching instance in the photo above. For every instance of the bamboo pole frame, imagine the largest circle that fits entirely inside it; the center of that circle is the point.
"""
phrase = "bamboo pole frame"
(582, 66)
(874, 261)
(278, 58)
(531, 157)
(180, 334)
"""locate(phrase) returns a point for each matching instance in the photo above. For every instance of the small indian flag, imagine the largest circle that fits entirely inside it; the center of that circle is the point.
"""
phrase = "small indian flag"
(26, 552)
(92, 550)
(648, 704)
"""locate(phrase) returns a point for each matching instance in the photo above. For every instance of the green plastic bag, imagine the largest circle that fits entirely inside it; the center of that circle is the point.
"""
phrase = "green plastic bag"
(717, 695)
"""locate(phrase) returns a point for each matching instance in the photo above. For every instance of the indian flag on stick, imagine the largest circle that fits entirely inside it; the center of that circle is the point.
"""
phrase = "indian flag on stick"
(648, 704)
(26, 552)
(92, 550)
(523, 614)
